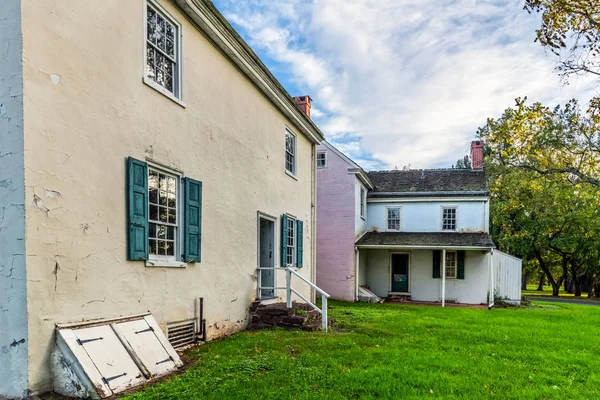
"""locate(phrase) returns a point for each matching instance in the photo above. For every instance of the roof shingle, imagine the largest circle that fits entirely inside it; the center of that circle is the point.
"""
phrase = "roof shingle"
(428, 180)
(441, 239)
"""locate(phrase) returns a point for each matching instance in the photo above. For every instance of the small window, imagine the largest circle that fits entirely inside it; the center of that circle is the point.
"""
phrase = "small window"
(163, 56)
(163, 226)
(449, 219)
(321, 159)
(362, 202)
(291, 241)
(450, 264)
(393, 219)
(290, 152)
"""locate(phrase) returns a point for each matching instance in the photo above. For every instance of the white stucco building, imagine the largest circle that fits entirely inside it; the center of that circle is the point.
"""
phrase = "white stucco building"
(416, 234)
(147, 158)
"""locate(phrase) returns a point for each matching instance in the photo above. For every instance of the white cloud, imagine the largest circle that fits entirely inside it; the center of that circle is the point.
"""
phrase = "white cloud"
(412, 80)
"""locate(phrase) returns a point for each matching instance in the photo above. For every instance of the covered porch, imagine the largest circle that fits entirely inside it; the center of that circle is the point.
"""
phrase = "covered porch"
(426, 267)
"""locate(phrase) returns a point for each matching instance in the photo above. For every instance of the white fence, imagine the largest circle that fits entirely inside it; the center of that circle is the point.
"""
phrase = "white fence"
(507, 273)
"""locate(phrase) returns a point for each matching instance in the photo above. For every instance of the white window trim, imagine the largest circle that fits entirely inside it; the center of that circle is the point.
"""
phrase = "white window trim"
(293, 173)
(455, 264)
(387, 219)
(362, 205)
(294, 253)
(179, 50)
(322, 152)
(442, 208)
(159, 261)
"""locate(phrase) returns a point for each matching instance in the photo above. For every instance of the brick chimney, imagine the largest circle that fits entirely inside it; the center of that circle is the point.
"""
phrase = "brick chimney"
(477, 154)
(304, 103)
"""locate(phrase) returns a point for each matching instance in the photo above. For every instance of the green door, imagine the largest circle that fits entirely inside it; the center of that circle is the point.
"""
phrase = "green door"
(400, 273)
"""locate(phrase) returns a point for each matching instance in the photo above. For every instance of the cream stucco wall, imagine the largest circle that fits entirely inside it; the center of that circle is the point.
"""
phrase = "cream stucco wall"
(86, 110)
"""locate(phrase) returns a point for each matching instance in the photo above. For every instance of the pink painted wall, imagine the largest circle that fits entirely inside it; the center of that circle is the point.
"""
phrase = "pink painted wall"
(335, 227)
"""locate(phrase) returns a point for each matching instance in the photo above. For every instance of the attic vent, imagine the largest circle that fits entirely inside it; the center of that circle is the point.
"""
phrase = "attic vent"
(182, 333)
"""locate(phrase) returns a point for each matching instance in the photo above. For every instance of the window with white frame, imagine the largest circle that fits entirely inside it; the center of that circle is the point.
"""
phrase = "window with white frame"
(290, 152)
(449, 218)
(363, 196)
(450, 264)
(163, 56)
(321, 159)
(393, 219)
(291, 241)
(163, 191)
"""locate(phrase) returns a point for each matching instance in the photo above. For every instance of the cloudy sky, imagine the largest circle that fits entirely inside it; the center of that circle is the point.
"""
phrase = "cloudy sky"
(403, 82)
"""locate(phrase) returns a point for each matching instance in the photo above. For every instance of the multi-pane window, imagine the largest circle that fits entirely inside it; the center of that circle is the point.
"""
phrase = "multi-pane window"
(163, 213)
(393, 219)
(450, 264)
(362, 202)
(290, 152)
(162, 50)
(291, 241)
(321, 159)
(449, 218)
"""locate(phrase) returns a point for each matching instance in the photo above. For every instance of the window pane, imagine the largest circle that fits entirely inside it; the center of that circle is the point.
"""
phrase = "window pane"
(172, 216)
(171, 233)
(163, 214)
(163, 198)
(170, 249)
(153, 196)
(154, 213)
(152, 232)
(153, 247)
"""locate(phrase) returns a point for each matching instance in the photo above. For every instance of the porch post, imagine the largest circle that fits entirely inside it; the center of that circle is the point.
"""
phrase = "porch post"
(443, 277)
(356, 274)
(491, 285)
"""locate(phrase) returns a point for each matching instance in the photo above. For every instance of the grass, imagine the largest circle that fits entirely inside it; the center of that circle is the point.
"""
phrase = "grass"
(393, 351)
(531, 291)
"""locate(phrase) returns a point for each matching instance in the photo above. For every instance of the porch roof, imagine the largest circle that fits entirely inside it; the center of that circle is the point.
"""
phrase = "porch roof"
(432, 240)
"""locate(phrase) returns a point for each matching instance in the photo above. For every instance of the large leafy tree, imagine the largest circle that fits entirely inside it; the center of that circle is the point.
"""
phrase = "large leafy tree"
(562, 141)
(571, 30)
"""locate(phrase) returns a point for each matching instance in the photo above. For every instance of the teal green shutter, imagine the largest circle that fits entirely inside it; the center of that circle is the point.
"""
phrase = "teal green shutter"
(284, 223)
(460, 271)
(299, 249)
(137, 209)
(437, 255)
(193, 221)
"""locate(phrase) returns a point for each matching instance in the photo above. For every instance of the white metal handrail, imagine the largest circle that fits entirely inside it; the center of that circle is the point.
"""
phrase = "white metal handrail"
(289, 290)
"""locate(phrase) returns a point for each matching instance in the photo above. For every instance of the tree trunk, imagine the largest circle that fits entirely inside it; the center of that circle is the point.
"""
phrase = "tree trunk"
(525, 280)
(541, 284)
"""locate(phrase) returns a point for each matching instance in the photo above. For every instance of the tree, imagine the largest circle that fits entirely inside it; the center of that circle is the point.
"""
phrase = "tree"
(463, 163)
(561, 141)
(571, 30)
(553, 224)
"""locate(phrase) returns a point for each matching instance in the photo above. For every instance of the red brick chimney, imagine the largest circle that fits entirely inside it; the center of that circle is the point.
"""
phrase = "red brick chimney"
(304, 103)
(477, 154)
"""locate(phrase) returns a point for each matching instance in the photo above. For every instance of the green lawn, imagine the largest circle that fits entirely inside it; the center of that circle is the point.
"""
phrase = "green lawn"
(531, 291)
(394, 351)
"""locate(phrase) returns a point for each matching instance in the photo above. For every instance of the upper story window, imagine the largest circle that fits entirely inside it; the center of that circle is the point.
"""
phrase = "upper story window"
(290, 152)
(163, 51)
(363, 196)
(449, 218)
(163, 226)
(321, 159)
(393, 219)
(450, 264)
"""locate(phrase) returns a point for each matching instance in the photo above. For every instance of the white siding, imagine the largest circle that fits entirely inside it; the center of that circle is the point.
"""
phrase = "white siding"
(507, 275)
(422, 216)
(423, 287)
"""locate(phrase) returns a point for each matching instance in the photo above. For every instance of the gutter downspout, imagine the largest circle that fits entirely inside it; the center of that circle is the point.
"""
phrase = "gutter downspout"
(356, 272)
(313, 279)
(491, 285)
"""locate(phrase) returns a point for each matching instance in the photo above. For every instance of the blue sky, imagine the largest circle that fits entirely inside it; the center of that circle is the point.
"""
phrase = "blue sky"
(401, 83)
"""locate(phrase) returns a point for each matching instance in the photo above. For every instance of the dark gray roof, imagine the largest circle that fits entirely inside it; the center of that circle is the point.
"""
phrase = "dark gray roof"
(442, 239)
(429, 182)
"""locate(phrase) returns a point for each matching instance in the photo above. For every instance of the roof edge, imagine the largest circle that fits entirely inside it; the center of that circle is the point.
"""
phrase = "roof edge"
(213, 24)
(482, 193)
